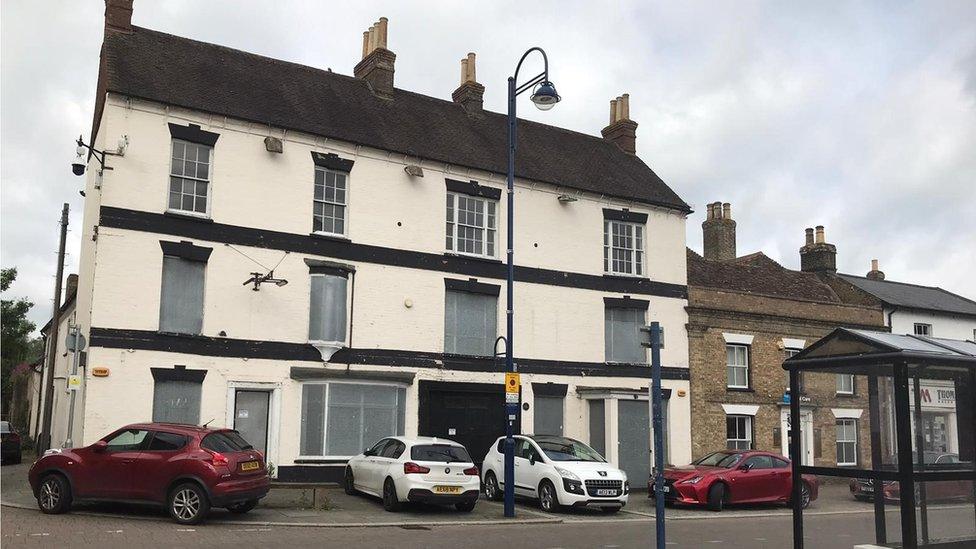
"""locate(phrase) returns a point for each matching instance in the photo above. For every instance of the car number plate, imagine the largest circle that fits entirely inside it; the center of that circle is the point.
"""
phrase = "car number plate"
(250, 466)
(606, 492)
(447, 489)
(664, 489)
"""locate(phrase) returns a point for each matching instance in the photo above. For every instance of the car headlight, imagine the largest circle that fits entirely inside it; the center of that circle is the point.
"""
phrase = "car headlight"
(565, 473)
(692, 480)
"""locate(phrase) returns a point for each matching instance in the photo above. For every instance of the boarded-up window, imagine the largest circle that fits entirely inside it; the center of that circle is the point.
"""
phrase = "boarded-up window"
(176, 401)
(622, 334)
(327, 313)
(470, 323)
(181, 297)
(598, 426)
(341, 419)
(548, 415)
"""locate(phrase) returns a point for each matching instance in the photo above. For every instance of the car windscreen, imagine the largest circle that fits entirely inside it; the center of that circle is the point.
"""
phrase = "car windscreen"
(565, 449)
(719, 459)
(444, 453)
(225, 441)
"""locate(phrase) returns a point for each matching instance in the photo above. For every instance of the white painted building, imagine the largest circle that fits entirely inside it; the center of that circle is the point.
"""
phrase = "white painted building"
(236, 164)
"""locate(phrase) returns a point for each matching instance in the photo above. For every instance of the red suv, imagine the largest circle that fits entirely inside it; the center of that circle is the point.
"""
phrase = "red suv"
(185, 467)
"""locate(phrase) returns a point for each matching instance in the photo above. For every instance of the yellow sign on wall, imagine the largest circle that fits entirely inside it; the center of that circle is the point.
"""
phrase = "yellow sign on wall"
(512, 382)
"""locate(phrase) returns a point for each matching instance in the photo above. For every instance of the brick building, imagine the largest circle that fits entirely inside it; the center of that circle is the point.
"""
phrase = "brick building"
(745, 316)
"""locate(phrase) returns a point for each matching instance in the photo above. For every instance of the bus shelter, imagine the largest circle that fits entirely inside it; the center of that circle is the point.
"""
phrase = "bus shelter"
(901, 476)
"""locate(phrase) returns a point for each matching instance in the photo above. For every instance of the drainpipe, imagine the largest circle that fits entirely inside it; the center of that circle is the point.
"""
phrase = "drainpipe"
(891, 312)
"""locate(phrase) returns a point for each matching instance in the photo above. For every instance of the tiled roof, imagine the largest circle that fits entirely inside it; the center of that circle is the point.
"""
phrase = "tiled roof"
(913, 296)
(178, 71)
(757, 274)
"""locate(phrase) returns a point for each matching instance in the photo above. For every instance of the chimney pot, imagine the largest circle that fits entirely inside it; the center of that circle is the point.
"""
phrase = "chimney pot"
(470, 94)
(718, 233)
(820, 234)
(817, 255)
(377, 65)
(809, 236)
(875, 273)
(874, 264)
(622, 131)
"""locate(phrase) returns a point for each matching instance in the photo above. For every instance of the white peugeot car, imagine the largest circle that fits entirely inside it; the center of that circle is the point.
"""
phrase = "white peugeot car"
(423, 469)
(559, 472)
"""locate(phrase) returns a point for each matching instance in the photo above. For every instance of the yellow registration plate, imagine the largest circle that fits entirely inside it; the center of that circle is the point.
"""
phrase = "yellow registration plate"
(250, 466)
(447, 489)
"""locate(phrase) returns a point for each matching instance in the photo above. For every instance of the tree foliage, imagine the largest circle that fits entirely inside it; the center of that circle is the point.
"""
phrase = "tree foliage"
(16, 344)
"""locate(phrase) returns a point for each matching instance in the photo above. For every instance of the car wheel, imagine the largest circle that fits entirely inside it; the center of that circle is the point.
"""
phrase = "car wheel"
(348, 485)
(492, 491)
(54, 495)
(716, 497)
(243, 507)
(188, 503)
(390, 501)
(465, 506)
(804, 495)
(548, 501)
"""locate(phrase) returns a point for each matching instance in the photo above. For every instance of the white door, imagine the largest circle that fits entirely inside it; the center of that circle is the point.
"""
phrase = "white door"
(532, 471)
(806, 435)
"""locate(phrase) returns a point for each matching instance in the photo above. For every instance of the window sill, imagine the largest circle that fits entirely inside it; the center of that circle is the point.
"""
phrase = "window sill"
(741, 389)
(188, 215)
(845, 395)
(323, 461)
(183, 335)
(484, 258)
(330, 236)
(625, 276)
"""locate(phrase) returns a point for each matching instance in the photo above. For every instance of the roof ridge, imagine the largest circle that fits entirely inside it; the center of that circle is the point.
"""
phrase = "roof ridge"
(941, 289)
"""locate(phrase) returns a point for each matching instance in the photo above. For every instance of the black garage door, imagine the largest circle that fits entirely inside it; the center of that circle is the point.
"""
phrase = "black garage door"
(470, 413)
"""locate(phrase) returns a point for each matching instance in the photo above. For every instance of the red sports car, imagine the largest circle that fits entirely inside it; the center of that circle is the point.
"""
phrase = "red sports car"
(187, 468)
(734, 476)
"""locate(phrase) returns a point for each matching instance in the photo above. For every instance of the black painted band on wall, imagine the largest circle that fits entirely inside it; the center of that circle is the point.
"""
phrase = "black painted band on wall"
(332, 161)
(624, 215)
(186, 250)
(472, 286)
(178, 373)
(473, 188)
(193, 134)
(550, 389)
(133, 220)
(626, 303)
(116, 338)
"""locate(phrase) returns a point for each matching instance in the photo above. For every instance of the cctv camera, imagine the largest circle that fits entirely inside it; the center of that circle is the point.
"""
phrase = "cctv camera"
(79, 165)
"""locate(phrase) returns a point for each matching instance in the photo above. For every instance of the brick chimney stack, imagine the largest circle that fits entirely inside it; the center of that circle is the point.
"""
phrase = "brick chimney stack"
(622, 131)
(118, 16)
(376, 67)
(874, 273)
(71, 286)
(817, 256)
(470, 94)
(718, 232)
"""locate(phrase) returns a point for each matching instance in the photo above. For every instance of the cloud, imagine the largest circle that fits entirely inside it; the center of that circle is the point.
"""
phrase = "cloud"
(857, 116)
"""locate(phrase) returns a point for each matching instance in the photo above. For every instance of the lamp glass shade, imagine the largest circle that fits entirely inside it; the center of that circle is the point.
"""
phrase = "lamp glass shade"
(545, 96)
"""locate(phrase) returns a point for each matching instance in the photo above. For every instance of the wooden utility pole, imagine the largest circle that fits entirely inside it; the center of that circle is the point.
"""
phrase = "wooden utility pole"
(44, 440)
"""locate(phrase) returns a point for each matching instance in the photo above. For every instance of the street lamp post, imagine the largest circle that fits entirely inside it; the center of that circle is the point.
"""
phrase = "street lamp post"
(545, 97)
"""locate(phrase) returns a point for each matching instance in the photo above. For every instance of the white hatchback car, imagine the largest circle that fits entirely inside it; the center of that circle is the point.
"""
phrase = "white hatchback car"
(559, 472)
(423, 469)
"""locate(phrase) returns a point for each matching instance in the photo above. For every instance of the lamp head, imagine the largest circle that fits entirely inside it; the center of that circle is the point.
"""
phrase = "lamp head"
(545, 96)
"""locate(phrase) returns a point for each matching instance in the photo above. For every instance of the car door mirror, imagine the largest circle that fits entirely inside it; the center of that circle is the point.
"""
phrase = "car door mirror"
(745, 467)
(99, 446)
(367, 452)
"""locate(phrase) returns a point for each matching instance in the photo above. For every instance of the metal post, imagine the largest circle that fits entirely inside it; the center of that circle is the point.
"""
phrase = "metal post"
(906, 481)
(510, 306)
(76, 335)
(920, 453)
(795, 459)
(874, 413)
(658, 433)
(44, 438)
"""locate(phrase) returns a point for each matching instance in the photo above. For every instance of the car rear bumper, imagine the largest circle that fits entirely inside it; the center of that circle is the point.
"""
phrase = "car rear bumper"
(421, 495)
(229, 493)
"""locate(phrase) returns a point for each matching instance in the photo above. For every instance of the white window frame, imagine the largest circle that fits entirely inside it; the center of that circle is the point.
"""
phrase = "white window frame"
(344, 205)
(638, 252)
(729, 366)
(927, 328)
(747, 419)
(208, 181)
(841, 389)
(846, 422)
(325, 413)
(489, 228)
(788, 353)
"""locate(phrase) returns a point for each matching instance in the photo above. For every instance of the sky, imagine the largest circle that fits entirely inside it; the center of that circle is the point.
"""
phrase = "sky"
(859, 116)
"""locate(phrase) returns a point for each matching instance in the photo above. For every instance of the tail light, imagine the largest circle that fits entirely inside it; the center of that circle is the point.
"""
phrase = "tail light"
(410, 468)
(473, 471)
(217, 458)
